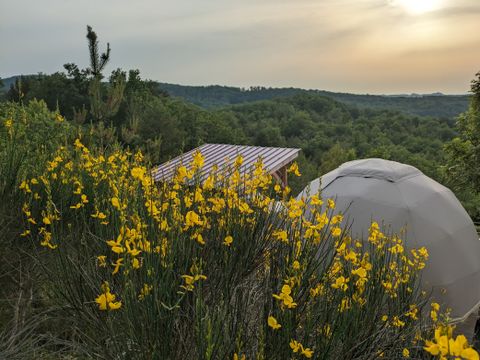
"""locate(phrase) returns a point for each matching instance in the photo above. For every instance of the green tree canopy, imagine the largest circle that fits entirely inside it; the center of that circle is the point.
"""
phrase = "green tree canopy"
(462, 168)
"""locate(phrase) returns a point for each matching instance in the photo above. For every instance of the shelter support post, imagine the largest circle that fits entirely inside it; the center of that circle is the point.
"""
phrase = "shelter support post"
(281, 176)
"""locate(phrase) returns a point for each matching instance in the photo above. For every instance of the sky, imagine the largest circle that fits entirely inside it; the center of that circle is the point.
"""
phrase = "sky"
(356, 46)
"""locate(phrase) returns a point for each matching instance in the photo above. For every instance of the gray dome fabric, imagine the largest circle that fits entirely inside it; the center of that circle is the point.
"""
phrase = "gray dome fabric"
(372, 168)
(401, 196)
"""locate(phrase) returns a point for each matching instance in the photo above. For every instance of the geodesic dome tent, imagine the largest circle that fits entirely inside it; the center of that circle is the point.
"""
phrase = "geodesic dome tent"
(401, 196)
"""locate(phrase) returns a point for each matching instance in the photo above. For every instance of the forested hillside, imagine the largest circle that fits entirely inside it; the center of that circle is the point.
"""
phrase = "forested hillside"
(326, 129)
(7, 82)
(445, 106)
(215, 96)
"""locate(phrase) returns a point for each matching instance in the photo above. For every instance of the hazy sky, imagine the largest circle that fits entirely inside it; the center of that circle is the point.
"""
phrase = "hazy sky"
(361, 46)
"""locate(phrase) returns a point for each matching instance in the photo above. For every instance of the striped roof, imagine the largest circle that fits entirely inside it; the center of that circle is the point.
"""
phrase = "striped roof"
(224, 155)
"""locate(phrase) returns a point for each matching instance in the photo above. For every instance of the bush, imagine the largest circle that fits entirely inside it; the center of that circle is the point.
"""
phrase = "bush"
(28, 136)
(209, 266)
(219, 267)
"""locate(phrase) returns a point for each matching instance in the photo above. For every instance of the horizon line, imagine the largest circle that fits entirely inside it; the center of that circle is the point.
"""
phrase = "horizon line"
(402, 94)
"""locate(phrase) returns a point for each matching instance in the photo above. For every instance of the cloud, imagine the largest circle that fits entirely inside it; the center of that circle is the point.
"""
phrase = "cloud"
(459, 9)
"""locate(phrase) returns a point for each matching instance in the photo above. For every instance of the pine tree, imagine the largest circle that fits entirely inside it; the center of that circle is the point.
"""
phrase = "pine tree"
(105, 99)
(97, 61)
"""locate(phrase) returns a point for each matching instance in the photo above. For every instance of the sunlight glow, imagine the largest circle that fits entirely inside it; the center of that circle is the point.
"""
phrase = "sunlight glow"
(418, 7)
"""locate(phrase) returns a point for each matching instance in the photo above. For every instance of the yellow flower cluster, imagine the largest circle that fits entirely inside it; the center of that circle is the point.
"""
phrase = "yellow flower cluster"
(106, 300)
(298, 348)
(135, 220)
(294, 169)
(285, 297)
(190, 281)
(8, 123)
(108, 190)
(273, 323)
(444, 345)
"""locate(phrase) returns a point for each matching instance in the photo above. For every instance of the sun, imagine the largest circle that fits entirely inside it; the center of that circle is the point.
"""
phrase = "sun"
(418, 7)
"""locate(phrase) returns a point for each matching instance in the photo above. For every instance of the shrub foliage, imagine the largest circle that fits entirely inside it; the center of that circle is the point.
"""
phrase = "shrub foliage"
(208, 266)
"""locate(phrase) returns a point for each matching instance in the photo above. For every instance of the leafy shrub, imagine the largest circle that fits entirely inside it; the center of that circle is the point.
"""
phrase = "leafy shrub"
(215, 266)
(209, 266)
(28, 136)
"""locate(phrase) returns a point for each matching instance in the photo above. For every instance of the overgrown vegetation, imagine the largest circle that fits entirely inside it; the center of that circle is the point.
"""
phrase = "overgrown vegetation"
(229, 267)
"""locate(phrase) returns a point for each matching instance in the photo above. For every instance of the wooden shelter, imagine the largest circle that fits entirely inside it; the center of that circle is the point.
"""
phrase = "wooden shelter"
(275, 160)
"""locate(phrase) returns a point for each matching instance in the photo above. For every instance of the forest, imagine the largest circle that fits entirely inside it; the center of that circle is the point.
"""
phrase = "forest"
(439, 105)
(216, 96)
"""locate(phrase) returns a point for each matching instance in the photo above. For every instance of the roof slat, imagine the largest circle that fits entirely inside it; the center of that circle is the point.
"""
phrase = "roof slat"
(273, 159)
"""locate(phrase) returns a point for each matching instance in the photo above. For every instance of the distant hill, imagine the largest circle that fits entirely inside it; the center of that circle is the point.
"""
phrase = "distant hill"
(8, 81)
(216, 96)
(437, 104)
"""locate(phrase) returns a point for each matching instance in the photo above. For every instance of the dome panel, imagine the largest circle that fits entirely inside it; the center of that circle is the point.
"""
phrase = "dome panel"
(400, 196)
(374, 168)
